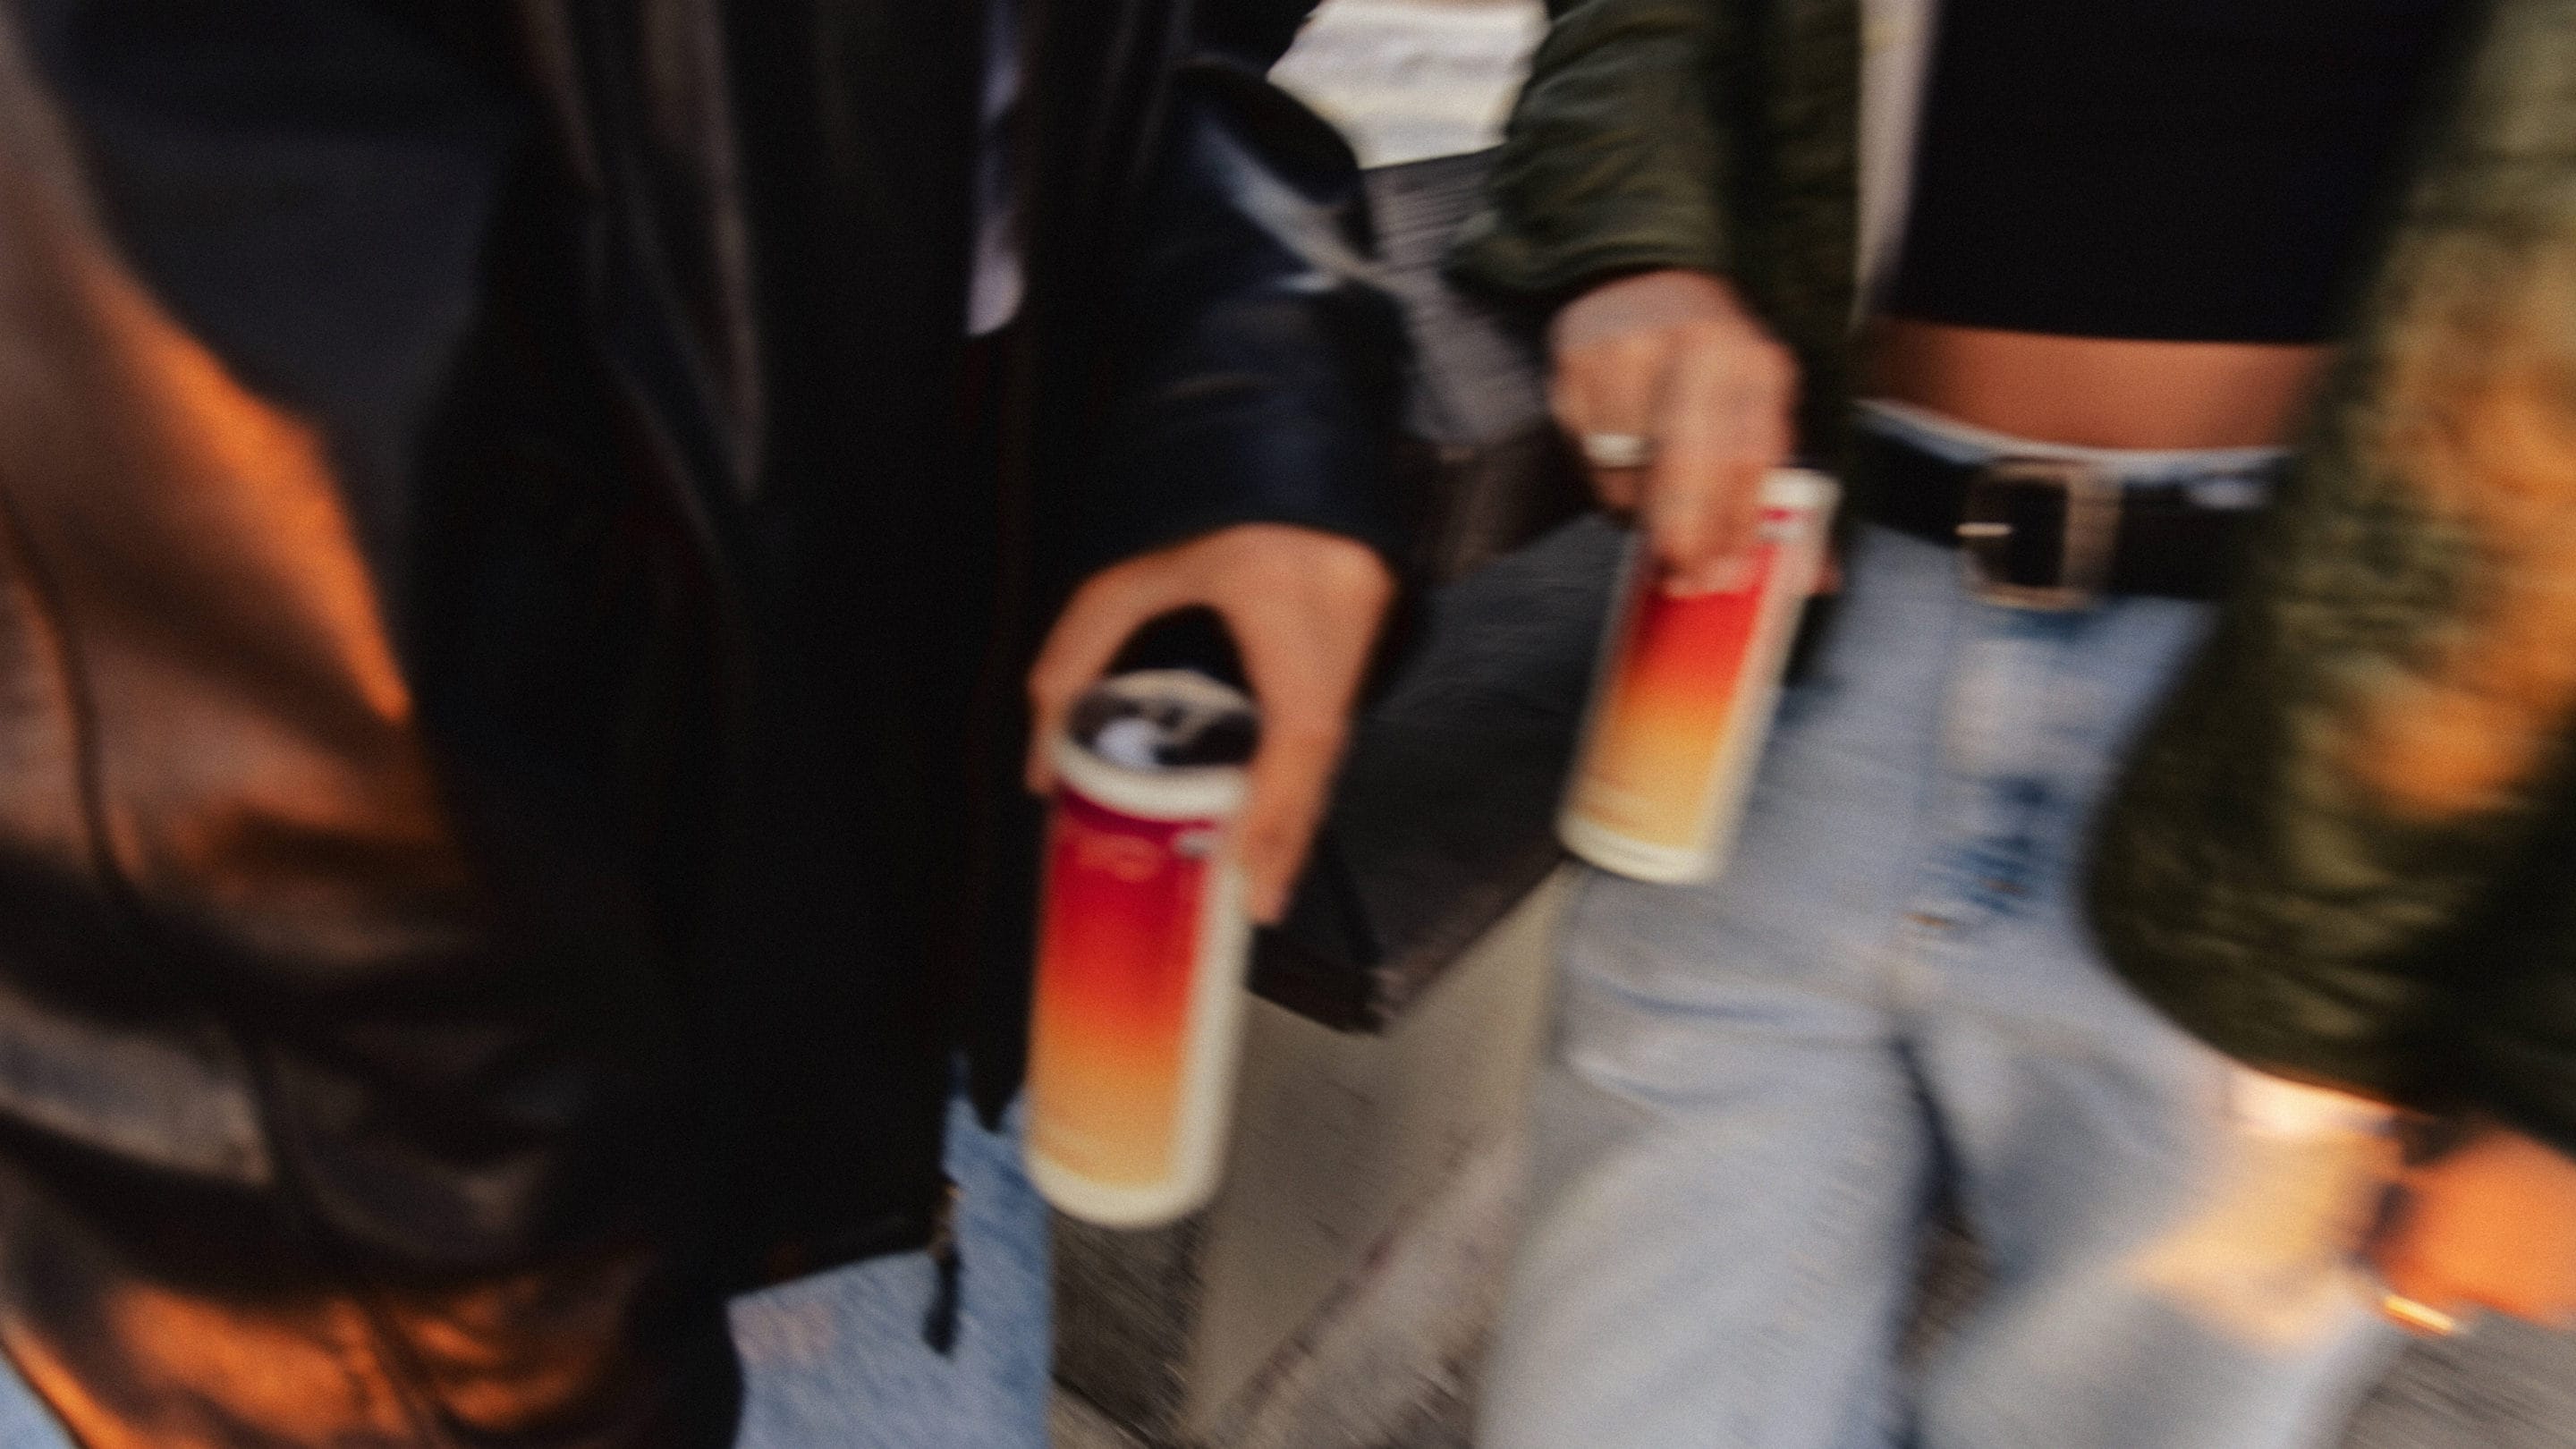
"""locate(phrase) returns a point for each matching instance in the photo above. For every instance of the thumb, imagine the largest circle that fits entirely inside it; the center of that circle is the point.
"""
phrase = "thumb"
(1290, 777)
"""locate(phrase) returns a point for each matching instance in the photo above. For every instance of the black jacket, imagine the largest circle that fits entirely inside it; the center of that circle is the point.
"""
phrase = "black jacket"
(512, 593)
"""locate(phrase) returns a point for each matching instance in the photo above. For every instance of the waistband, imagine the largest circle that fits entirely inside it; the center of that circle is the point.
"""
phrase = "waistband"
(2055, 526)
(2216, 477)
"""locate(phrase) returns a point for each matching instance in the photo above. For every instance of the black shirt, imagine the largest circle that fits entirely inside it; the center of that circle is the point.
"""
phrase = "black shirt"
(2201, 170)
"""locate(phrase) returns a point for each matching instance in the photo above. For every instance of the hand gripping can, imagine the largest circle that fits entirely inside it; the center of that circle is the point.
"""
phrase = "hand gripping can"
(1684, 698)
(1141, 950)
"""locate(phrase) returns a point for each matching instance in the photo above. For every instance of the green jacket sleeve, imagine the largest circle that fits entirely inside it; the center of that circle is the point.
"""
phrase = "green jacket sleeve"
(2346, 852)
(1615, 159)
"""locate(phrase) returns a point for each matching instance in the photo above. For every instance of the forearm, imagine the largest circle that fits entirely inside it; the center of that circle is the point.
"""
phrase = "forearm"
(1614, 160)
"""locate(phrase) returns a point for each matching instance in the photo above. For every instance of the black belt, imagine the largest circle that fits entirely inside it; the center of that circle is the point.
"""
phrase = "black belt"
(2057, 533)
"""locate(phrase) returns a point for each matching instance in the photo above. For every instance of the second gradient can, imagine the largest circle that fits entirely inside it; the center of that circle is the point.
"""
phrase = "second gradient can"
(1684, 697)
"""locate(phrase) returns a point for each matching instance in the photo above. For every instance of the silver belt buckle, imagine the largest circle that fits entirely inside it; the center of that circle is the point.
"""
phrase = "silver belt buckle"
(2010, 497)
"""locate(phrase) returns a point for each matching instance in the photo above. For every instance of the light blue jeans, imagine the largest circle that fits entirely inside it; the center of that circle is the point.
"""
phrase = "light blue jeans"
(1759, 1088)
(837, 1361)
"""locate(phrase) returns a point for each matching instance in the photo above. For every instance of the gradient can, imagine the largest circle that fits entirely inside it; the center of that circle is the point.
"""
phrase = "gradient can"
(1142, 942)
(1684, 698)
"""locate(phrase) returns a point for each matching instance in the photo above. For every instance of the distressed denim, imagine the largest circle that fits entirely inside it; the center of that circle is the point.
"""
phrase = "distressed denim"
(1761, 1089)
(837, 1361)
(25, 1422)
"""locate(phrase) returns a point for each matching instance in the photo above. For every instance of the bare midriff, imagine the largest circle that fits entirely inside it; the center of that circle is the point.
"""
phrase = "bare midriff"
(2097, 392)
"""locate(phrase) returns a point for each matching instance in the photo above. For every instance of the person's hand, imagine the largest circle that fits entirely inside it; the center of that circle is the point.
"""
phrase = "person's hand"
(2491, 1225)
(1304, 608)
(1674, 359)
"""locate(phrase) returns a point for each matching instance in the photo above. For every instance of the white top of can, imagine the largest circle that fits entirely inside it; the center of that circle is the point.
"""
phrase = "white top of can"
(1118, 768)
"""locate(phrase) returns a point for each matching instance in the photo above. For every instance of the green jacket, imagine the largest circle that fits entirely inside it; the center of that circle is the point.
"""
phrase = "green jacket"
(2346, 851)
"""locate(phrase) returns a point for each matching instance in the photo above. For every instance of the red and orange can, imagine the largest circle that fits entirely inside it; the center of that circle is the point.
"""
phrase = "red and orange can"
(1142, 945)
(1683, 702)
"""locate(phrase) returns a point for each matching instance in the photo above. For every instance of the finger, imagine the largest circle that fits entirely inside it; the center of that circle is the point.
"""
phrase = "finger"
(1290, 780)
(1758, 430)
(1735, 503)
(1304, 664)
(1726, 556)
(1730, 407)
(1696, 461)
(1304, 706)
(1609, 388)
(1096, 622)
(2419, 1295)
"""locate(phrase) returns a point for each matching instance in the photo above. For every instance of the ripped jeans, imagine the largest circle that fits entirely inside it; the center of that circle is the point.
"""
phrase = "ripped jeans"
(1760, 1090)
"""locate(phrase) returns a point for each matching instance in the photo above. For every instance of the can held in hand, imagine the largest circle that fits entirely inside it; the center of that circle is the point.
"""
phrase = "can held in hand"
(1142, 942)
(1684, 699)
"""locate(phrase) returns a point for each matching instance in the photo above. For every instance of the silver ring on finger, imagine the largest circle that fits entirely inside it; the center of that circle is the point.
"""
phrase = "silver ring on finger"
(1618, 450)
